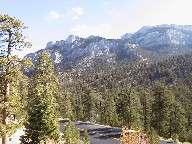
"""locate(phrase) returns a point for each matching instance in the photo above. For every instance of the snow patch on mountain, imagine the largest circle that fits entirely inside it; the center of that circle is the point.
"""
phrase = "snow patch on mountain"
(57, 57)
(143, 45)
(71, 39)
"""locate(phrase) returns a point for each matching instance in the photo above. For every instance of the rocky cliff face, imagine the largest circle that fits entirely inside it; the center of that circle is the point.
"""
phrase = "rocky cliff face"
(162, 35)
(149, 43)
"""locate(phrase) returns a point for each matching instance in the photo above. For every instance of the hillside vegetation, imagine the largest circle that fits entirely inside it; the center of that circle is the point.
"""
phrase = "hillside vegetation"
(155, 95)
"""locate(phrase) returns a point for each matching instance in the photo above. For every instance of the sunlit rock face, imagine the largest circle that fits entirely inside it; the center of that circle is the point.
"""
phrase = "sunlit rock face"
(148, 43)
(162, 35)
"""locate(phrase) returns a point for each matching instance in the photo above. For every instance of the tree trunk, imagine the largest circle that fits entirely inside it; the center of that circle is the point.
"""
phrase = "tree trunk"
(5, 114)
(6, 94)
(4, 135)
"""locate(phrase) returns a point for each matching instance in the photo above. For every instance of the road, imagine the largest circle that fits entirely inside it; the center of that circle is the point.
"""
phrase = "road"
(98, 134)
(101, 134)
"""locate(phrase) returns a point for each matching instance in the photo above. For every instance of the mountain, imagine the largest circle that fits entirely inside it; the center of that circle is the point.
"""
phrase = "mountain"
(150, 43)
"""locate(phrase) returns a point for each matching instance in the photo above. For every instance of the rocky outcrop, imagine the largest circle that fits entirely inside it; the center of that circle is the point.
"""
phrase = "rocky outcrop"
(148, 43)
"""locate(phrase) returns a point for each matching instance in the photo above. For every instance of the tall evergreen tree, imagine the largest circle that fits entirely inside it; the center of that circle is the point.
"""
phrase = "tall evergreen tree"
(42, 119)
(65, 104)
(129, 108)
(78, 109)
(89, 106)
(183, 95)
(177, 120)
(146, 103)
(163, 99)
(11, 78)
(109, 114)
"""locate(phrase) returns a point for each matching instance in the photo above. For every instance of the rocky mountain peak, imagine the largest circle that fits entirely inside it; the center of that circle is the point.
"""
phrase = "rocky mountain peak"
(71, 39)
(148, 43)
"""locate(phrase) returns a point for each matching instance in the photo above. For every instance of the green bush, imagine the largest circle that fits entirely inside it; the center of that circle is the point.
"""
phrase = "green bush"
(153, 136)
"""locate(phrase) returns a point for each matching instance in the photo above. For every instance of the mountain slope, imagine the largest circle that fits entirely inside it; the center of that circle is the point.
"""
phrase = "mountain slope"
(147, 44)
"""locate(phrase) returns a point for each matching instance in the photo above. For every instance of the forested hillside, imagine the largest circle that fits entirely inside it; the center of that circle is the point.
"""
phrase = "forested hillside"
(148, 95)
(103, 76)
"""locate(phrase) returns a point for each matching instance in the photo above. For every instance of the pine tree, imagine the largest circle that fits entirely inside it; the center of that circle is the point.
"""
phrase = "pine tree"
(163, 99)
(183, 96)
(89, 106)
(178, 121)
(146, 103)
(66, 106)
(11, 78)
(42, 122)
(78, 108)
(86, 138)
(70, 134)
(129, 108)
(109, 116)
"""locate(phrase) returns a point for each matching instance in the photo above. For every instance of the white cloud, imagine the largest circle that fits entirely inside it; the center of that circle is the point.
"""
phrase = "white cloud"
(53, 15)
(76, 12)
(113, 12)
(165, 11)
(151, 12)
(85, 30)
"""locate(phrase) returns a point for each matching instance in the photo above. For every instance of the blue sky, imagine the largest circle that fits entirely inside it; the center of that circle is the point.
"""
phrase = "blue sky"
(52, 20)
